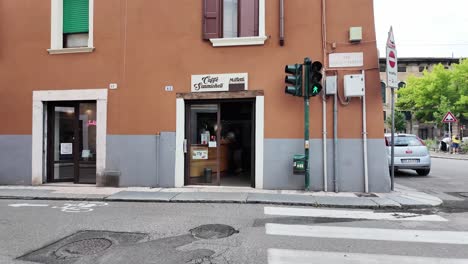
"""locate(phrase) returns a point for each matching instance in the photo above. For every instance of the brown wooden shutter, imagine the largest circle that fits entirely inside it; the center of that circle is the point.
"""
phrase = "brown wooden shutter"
(212, 19)
(248, 18)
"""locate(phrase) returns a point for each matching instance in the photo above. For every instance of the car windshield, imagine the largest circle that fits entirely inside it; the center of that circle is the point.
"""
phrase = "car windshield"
(404, 141)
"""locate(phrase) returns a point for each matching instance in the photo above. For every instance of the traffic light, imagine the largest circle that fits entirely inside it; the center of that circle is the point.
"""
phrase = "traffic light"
(315, 78)
(295, 79)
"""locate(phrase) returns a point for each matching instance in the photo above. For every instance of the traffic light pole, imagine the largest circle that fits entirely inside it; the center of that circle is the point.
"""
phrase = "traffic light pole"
(307, 63)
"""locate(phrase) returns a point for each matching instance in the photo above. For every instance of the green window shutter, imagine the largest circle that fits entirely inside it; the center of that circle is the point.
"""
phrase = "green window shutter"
(75, 16)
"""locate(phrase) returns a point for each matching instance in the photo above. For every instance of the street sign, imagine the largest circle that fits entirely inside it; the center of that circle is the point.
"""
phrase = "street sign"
(392, 61)
(449, 118)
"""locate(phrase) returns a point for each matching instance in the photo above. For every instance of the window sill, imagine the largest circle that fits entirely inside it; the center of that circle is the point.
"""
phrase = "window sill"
(244, 41)
(71, 50)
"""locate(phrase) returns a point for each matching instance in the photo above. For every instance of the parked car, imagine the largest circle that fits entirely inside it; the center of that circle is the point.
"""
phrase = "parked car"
(410, 153)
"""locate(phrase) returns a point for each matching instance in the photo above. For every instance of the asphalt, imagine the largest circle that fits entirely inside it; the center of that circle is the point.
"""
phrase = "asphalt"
(402, 197)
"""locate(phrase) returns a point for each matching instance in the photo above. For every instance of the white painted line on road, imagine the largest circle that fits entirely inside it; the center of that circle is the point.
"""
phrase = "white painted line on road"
(286, 256)
(351, 214)
(406, 235)
(28, 205)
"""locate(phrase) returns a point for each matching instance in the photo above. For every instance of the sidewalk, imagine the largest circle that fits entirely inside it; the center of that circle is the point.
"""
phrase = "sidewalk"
(402, 197)
(446, 155)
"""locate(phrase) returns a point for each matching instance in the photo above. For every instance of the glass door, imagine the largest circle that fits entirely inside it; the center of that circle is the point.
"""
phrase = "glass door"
(71, 142)
(87, 143)
(202, 148)
(61, 142)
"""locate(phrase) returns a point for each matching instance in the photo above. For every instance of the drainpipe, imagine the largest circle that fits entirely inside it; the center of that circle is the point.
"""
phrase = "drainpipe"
(281, 22)
(335, 139)
(364, 136)
(324, 100)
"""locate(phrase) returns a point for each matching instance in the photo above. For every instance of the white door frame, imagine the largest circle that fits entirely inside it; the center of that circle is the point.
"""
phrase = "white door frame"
(180, 137)
(39, 97)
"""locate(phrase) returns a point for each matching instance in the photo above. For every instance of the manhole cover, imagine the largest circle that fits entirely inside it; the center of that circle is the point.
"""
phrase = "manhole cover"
(213, 231)
(83, 247)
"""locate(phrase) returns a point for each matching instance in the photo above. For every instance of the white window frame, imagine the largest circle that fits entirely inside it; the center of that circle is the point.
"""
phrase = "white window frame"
(56, 30)
(246, 41)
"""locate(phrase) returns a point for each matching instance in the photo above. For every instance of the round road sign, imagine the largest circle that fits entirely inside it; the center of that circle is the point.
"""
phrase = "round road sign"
(391, 59)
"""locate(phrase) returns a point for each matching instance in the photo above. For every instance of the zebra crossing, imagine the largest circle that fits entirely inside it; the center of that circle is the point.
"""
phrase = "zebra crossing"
(320, 231)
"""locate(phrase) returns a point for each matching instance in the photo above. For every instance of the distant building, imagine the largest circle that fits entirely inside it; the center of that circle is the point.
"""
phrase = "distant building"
(406, 68)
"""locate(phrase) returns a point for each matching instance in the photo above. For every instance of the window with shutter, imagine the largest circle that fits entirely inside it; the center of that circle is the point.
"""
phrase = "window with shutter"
(75, 16)
(75, 23)
(234, 22)
(71, 26)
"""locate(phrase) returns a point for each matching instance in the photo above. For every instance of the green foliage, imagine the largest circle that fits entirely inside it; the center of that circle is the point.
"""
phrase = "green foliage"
(464, 147)
(400, 122)
(431, 144)
(431, 96)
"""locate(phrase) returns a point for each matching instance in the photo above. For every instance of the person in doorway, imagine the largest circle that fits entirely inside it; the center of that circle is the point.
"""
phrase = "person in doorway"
(456, 144)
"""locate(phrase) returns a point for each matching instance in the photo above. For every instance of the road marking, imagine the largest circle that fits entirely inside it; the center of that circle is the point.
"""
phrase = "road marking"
(421, 236)
(286, 256)
(81, 207)
(28, 205)
(351, 214)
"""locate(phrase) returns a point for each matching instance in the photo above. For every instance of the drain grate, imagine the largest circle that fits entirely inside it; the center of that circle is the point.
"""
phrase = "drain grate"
(83, 247)
(213, 231)
(82, 244)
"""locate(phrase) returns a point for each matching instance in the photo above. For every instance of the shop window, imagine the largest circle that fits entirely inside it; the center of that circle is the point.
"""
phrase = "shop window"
(71, 26)
(234, 22)
(401, 68)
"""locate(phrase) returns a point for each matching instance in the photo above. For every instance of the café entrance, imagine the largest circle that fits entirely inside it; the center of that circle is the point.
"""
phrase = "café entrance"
(220, 142)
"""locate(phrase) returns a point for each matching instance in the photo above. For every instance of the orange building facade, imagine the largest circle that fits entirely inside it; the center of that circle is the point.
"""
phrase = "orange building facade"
(119, 104)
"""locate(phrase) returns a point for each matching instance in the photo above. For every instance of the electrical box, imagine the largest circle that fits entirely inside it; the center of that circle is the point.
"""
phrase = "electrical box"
(299, 164)
(330, 84)
(355, 34)
(354, 85)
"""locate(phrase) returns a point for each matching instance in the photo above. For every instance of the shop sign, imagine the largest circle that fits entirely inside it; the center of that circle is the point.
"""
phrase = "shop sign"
(220, 82)
(200, 154)
(66, 148)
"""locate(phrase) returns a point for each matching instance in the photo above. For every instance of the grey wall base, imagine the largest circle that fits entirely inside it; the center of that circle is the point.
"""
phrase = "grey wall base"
(350, 175)
(15, 159)
(143, 160)
(149, 160)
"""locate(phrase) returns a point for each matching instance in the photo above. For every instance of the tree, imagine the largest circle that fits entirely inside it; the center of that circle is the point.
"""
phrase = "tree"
(431, 96)
(400, 121)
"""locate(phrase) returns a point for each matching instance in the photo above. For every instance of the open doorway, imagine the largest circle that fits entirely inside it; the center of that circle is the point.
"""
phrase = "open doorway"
(220, 143)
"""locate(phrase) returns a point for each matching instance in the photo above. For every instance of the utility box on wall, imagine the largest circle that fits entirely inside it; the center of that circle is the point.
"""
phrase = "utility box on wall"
(354, 85)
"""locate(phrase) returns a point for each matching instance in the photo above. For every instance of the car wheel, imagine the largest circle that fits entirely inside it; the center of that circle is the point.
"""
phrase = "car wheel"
(423, 172)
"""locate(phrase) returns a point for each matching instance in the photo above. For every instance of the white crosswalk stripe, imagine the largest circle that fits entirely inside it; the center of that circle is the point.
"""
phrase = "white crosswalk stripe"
(286, 256)
(421, 236)
(351, 214)
(290, 256)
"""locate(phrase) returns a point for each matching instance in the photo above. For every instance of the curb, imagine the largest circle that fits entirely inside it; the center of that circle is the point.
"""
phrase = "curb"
(443, 157)
(316, 205)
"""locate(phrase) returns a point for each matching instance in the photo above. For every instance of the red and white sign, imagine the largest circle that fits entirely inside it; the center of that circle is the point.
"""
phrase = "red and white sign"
(392, 61)
(449, 118)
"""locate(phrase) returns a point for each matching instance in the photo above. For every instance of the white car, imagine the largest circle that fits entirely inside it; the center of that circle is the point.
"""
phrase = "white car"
(410, 153)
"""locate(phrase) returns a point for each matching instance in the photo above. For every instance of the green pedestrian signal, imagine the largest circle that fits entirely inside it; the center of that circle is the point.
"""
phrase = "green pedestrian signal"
(315, 78)
(295, 79)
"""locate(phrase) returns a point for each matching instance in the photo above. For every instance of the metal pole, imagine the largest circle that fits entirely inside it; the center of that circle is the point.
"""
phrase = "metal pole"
(307, 63)
(450, 137)
(392, 170)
